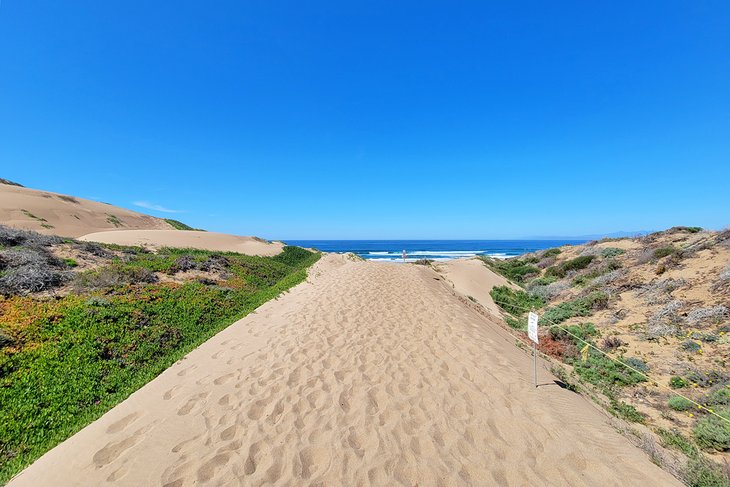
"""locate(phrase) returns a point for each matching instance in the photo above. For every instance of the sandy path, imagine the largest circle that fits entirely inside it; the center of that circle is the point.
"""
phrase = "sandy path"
(369, 374)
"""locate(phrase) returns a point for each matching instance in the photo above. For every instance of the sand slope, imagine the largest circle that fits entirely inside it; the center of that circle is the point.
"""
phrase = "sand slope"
(471, 277)
(368, 374)
(187, 239)
(68, 216)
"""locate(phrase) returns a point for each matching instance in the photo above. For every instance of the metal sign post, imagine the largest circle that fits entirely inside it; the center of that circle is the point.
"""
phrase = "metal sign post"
(532, 319)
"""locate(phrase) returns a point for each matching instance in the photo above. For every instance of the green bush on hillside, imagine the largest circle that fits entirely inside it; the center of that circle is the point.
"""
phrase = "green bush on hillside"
(178, 225)
(577, 307)
(576, 264)
(514, 269)
(678, 403)
(663, 252)
(713, 433)
(514, 302)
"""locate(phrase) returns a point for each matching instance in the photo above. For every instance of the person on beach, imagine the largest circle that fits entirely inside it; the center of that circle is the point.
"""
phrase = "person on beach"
(404, 255)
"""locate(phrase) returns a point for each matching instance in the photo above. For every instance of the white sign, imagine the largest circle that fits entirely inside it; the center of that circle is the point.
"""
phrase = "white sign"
(532, 326)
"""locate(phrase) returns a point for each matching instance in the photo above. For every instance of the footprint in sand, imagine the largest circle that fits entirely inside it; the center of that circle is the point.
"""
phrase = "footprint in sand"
(119, 425)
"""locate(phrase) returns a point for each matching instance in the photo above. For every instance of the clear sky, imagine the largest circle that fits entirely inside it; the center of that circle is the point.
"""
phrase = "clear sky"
(375, 119)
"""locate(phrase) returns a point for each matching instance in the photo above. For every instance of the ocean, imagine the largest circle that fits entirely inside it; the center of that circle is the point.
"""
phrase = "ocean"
(438, 250)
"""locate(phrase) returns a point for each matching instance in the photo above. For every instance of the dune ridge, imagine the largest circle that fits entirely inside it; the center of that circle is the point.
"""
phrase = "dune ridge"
(367, 374)
(68, 216)
(187, 239)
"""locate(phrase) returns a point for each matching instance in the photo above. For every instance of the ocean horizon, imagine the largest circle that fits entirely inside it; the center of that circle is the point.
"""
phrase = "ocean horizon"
(437, 250)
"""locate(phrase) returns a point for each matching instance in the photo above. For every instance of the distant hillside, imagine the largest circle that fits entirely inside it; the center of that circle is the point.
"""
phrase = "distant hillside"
(69, 216)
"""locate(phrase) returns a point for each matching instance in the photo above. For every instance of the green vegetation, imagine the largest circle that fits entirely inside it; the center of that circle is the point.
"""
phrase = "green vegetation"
(514, 302)
(676, 440)
(677, 382)
(64, 362)
(178, 225)
(678, 403)
(551, 253)
(114, 220)
(626, 411)
(663, 252)
(583, 306)
(34, 217)
(576, 264)
(11, 183)
(70, 262)
(712, 432)
(513, 269)
(609, 252)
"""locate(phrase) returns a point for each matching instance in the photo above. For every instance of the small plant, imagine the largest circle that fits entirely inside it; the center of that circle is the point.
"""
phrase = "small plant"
(677, 382)
(70, 262)
(678, 403)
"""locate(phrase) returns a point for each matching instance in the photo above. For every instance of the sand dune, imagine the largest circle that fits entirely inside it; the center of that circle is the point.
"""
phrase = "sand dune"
(471, 277)
(367, 374)
(68, 216)
(187, 239)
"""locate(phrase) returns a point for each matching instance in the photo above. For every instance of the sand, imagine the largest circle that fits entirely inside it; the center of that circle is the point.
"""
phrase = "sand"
(367, 374)
(68, 216)
(187, 239)
(472, 278)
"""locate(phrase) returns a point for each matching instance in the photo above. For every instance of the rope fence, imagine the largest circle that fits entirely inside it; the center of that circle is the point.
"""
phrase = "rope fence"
(552, 324)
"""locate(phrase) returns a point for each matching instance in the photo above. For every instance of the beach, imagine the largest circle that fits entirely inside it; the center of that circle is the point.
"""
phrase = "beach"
(365, 374)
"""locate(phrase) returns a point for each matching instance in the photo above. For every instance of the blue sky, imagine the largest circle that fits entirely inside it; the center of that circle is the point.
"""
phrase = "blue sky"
(375, 119)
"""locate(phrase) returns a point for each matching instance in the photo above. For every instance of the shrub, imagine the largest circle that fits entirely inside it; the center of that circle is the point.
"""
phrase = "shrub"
(550, 253)
(712, 314)
(701, 472)
(678, 403)
(571, 265)
(627, 412)
(663, 252)
(548, 292)
(10, 183)
(70, 262)
(713, 433)
(707, 379)
(423, 262)
(5, 339)
(690, 346)
(677, 382)
(583, 306)
(112, 276)
(29, 279)
(11, 237)
(612, 343)
(178, 225)
(583, 331)
(718, 397)
(637, 363)
(95, 249)
(514, 269)
(514, 302)
(612, 252)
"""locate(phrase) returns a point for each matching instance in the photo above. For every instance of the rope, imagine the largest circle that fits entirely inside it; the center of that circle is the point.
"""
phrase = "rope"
(655, 383)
